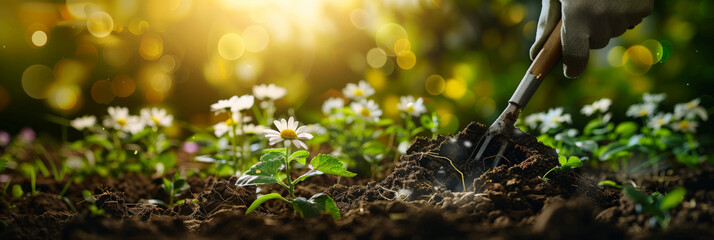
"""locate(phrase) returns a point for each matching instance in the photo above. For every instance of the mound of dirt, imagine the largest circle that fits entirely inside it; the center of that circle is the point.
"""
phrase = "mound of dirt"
(511, 193)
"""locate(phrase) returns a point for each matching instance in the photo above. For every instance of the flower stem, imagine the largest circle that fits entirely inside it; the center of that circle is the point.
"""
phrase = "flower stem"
(291, 186)
(235, 148)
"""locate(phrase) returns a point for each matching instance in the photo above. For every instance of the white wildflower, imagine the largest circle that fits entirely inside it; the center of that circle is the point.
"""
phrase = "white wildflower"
(270, 92)
(253, 129)
(554, 118)
(84, 122)
(120, 119)
(599, 106)
(332, 104)
(641, 110)
(408, 105)
(690, 110)
(358, 91)
(532, 120)
(233, 104)
(684, 126)
(654, 98)
(367, 110)
(288, 133)
(659, 120)
(156, 117)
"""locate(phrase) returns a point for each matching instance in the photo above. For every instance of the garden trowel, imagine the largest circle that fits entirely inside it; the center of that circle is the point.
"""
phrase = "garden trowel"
(503, 129)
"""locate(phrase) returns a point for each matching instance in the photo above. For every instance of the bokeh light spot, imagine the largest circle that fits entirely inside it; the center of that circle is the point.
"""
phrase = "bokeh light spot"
(151, 47)
(406, 60)
(376, 57)
(102, 92)
(153, 97)
(70, 71)
(614, 56)
(402, 45)
(256, 38)
(168, 63)
(64, 97)
(231, 46)
(637, 60)
(123, 86)
(100, 24)
(36, 80)
(455, 88)
(434, 84)
(655, 48)
(39, 38)
(388, 34)
(376, 78)
(161, 82)
(138, 27)
(359, 18)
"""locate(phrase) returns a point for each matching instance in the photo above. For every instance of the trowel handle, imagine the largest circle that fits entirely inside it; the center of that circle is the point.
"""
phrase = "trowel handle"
(548, 55)
(541, 65)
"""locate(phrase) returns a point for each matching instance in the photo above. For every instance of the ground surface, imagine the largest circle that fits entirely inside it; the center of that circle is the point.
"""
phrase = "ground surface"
(507, 202)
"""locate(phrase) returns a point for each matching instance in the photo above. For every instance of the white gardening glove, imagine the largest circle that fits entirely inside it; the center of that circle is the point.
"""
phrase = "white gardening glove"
(587, 24)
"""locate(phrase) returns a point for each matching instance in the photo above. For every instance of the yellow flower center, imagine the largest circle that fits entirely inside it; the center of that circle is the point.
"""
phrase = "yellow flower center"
(121, 122)
(643, 112)
(365, 112)
(684, 124)
(358, 92)
(229, 122)
(155, 119)
(410, 107)
(660, 122)
(288, 134)
(257, 171)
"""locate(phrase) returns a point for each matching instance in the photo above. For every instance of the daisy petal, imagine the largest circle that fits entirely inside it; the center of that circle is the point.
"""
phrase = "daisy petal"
(287, 143)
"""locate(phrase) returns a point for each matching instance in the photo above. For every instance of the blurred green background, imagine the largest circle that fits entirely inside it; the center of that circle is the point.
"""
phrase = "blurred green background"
(71, 58)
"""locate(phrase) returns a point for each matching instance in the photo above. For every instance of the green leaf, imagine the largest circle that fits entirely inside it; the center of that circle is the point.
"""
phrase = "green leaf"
(179, 183)
(637, 196)
(562, 160)
(141, 134)
(573, 162)
(591, 126)
(264, 171)
(269, 150)
(609, 183)
(672, 199)
(167, 185)
(330, 165)
(263, 199)
(96, 139)
(17, 191)
(299, 156)
(626, 129)
(307, 175)
(316, 205)
(328, 204)
(3, 164)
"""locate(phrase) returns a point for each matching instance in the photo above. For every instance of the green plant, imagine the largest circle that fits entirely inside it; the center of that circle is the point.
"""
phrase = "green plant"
(88, 197)
(656, 204)
(17, 191)
(174, 188)
(609, 183)
(566, 163)
(267, 171)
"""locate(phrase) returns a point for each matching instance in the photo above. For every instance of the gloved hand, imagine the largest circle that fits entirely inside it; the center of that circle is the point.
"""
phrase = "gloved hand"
(587, 24)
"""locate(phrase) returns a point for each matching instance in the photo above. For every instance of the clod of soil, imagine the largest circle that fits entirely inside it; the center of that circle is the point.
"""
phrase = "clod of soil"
(511, 193)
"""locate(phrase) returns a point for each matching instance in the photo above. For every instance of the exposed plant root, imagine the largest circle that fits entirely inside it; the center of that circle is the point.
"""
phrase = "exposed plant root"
(463, 182)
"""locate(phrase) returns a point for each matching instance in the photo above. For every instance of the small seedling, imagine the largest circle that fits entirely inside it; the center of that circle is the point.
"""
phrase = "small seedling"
(657, 205)
(267, 172)
(96, 211)
(174, 188)
(565, 165)
(17, 191)
(609, 183)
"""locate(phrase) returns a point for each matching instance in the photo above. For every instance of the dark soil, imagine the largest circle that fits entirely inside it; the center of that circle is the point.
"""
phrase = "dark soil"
(423, 197)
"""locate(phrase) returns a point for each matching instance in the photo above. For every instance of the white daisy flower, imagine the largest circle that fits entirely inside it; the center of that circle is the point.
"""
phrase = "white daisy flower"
(288, 133)
(253, 129)
(221, 128)
(641, 110)
(120, 119)
(358, 91)
(690, 110)
(654, 98)
(367, 110)
(601, 106)
(84, 122)
(332, 104)
(684, 126)
(156, 117)
(659, 120)
(316, 129)
(532, 120)
(271, 92)
(408, 105)
(554, 118)
(234, 104)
